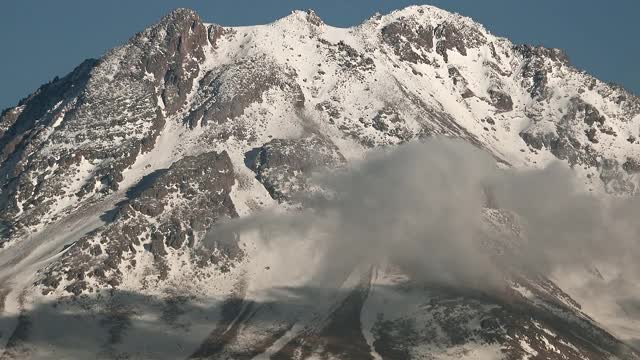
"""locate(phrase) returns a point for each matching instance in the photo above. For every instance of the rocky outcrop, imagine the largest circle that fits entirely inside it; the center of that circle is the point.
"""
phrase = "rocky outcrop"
(173, 49)
(111, 110)
(165, 212)
(538, 64)
(285, 166)
(226, 92)
(404, 40)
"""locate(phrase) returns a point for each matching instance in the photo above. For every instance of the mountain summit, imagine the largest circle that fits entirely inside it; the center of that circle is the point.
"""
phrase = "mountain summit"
(114, 176)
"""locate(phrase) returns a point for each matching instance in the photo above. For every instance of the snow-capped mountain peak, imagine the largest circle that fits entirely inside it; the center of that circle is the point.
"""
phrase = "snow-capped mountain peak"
(114, 176)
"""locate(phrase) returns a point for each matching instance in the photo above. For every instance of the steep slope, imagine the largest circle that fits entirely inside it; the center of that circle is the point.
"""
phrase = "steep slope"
(114, 174)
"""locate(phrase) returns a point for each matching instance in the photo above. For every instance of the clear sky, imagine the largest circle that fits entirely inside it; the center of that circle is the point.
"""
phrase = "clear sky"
(45, 38)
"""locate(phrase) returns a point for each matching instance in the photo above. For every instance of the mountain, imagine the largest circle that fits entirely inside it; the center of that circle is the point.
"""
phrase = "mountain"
(113, 175)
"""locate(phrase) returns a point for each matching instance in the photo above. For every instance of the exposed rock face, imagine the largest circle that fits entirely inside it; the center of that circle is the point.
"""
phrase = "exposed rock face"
(448, 315)
(24, 129)
(538, 63)
(227, 91)
(170, 208)
(404, 40)
(450, 39)
(500, 100)
(284, 166)
(113, 176)
(97, 119)
(174, 50)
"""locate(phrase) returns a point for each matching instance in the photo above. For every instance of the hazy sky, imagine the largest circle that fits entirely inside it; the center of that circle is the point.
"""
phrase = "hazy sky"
(42, 39)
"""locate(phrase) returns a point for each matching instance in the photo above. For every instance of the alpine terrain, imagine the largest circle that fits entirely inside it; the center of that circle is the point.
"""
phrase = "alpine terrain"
(117, 181)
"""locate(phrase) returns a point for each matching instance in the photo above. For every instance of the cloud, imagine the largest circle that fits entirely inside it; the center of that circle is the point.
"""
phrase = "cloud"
(420, 207)
(566, 226)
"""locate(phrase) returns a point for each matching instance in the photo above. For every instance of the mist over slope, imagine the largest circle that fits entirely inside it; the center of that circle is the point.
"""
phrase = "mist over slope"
(412, 187)
(420, 205)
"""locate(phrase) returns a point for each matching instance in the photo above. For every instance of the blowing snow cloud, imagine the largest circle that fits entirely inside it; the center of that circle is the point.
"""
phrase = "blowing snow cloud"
(420, 206)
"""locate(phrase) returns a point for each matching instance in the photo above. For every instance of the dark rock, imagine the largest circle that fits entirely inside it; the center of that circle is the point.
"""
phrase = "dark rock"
(404, 36)
(451, 37)
(563, 145)
(535, 69)
(608, 130)
(99, 102)
(631, 166)
(500, 100)
(460, 82)
(591, 135)
(76, 288)
(283, 166)
(157, 244)
(348, 58)
(182, 36)
(214, 33)
(206, 178)
(589, 113)
(313, 18)
(530, 51)
(247, 80)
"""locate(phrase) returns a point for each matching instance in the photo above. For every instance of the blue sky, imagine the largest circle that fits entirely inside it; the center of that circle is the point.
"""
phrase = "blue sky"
(42, 39)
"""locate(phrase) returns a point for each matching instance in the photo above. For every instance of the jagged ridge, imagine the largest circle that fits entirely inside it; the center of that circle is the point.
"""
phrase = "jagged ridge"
(191, 122)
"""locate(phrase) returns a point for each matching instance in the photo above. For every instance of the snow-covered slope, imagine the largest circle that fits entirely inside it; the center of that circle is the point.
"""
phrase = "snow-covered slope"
(112, 175)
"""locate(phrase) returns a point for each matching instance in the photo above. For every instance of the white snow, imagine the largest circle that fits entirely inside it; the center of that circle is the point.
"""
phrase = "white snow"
(295, 46)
